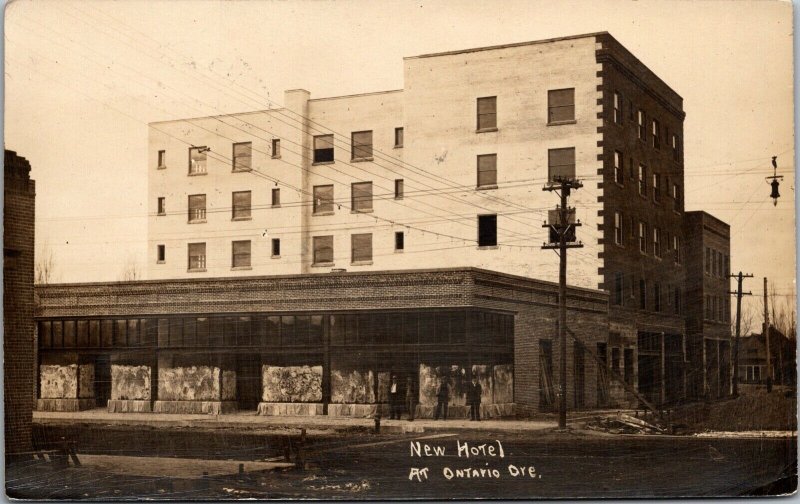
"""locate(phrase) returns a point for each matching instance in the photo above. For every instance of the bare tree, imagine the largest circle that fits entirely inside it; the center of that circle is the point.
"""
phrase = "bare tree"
(45, 266)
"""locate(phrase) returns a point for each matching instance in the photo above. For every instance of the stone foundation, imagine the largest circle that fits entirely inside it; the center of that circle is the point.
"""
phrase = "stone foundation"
(195, 407)
(65, 404)
(290, 409)
(487, 411)
(129, 406)
(357, 410)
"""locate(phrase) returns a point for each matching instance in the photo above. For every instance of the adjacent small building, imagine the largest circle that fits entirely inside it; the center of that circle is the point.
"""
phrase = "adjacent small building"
(753, 358)
(19, 198)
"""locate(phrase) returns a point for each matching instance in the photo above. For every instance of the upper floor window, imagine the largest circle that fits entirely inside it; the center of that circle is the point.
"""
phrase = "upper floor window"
(361, 195)
(241, 254)
(323, 149)
(676, 305)
(323, 199)
(642, 237)
(642, 294)
(487, 113)
(708, 261)
(657, 296)
(197, 208)
(399, 241)
(487, 170)
(618, 286)
(361, 145)
(676, 196)
(398, 137)
(162, 253)
(162, 206)
(560, 105)
(656, 134)
(619, 176)
(657, 241)
(242, 156)
(323, 249)
(197, 160)
(656, 187)
(398, 188)
(361, 246)
(561, 164)
(276, 247)
(487, 230)
(162, 159)
(241, 205)
(617, 107)
(197, 257)
(276, 197)
(642, 180)
(276, 147)
(675, 147)
(676, 247)
(618, 228)
(642, 127)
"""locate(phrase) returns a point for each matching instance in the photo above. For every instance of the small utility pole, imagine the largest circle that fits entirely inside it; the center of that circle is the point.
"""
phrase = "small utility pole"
(766, 337)
(562, 228)
(739, 295)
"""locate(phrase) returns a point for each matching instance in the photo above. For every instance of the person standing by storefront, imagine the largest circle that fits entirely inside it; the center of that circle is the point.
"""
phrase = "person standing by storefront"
(474, 399)
(442, 396)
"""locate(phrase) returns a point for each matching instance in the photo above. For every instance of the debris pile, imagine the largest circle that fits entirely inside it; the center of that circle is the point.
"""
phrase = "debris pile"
(621, 423)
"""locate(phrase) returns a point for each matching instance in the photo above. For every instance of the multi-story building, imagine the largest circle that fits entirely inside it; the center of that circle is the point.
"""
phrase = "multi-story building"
(19, 207)
(447, 172)
(708, 308)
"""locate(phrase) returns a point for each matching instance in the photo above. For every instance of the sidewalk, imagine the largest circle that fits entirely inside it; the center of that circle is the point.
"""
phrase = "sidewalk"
(292, 424)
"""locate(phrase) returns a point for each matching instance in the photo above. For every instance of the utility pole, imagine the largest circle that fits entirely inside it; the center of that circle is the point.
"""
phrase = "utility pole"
(739, 295)
(766, 337)
(562, 233)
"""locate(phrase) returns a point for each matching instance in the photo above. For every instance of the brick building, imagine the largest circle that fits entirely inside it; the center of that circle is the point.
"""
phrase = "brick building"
(708, 308)
(446, 172)
(19, 195)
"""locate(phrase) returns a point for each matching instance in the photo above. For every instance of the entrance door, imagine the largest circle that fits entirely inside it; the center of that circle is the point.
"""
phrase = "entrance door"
(102, 380)
(248, 381)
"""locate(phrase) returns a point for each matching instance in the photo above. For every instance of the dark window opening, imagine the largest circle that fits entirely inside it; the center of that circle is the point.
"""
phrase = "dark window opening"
(487, 230)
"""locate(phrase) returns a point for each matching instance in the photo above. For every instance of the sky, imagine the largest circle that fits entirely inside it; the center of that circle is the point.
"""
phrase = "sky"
(83, 79)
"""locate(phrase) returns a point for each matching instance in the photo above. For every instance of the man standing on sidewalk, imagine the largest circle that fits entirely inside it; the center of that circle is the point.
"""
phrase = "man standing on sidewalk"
(394, 399)
(474, 399)
(442, 396)
(410, 396)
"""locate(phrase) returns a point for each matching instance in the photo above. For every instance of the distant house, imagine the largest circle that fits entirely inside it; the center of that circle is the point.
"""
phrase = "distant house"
(753, 358)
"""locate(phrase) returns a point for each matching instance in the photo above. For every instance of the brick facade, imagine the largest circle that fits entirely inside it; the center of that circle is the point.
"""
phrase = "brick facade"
(18, 303)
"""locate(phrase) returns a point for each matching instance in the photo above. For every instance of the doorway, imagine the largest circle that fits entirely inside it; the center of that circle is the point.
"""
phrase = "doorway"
(248, 381)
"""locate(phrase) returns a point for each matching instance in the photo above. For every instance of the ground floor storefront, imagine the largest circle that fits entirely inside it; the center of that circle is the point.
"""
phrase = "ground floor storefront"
(325, 344)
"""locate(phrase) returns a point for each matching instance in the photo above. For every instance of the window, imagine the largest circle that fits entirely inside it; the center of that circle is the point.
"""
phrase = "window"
(642, 294)
(560, 105)
(656, 133)
(642, 237)
(162, 159)
(323, 199)
(561, 164)
(656, 187)
(657, 241)
(323, 149)
(276, 247)
(617, 107)
(618, 288)
(487, 230)
(708, 307)
(487, 113)
(676, 246)
(241, 205)
(726, 268)
(162, 210)
(323, 250)
(642, 128)
(242, 156)
(197, 208)
(642, 180)
(276, 148)
(619, 176)
(676, 195)
(197, 160)
(675, 144)
(276, 197)
(398, 137)
(618, 228)
(361, 194)
(162, 253)
(361, 245)
(197, 257)
(361, 145)
(487, 170)
(657, 296)
(241, 254)
(676, 305)
(398, 189)
(399, 241)
(708, 261)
